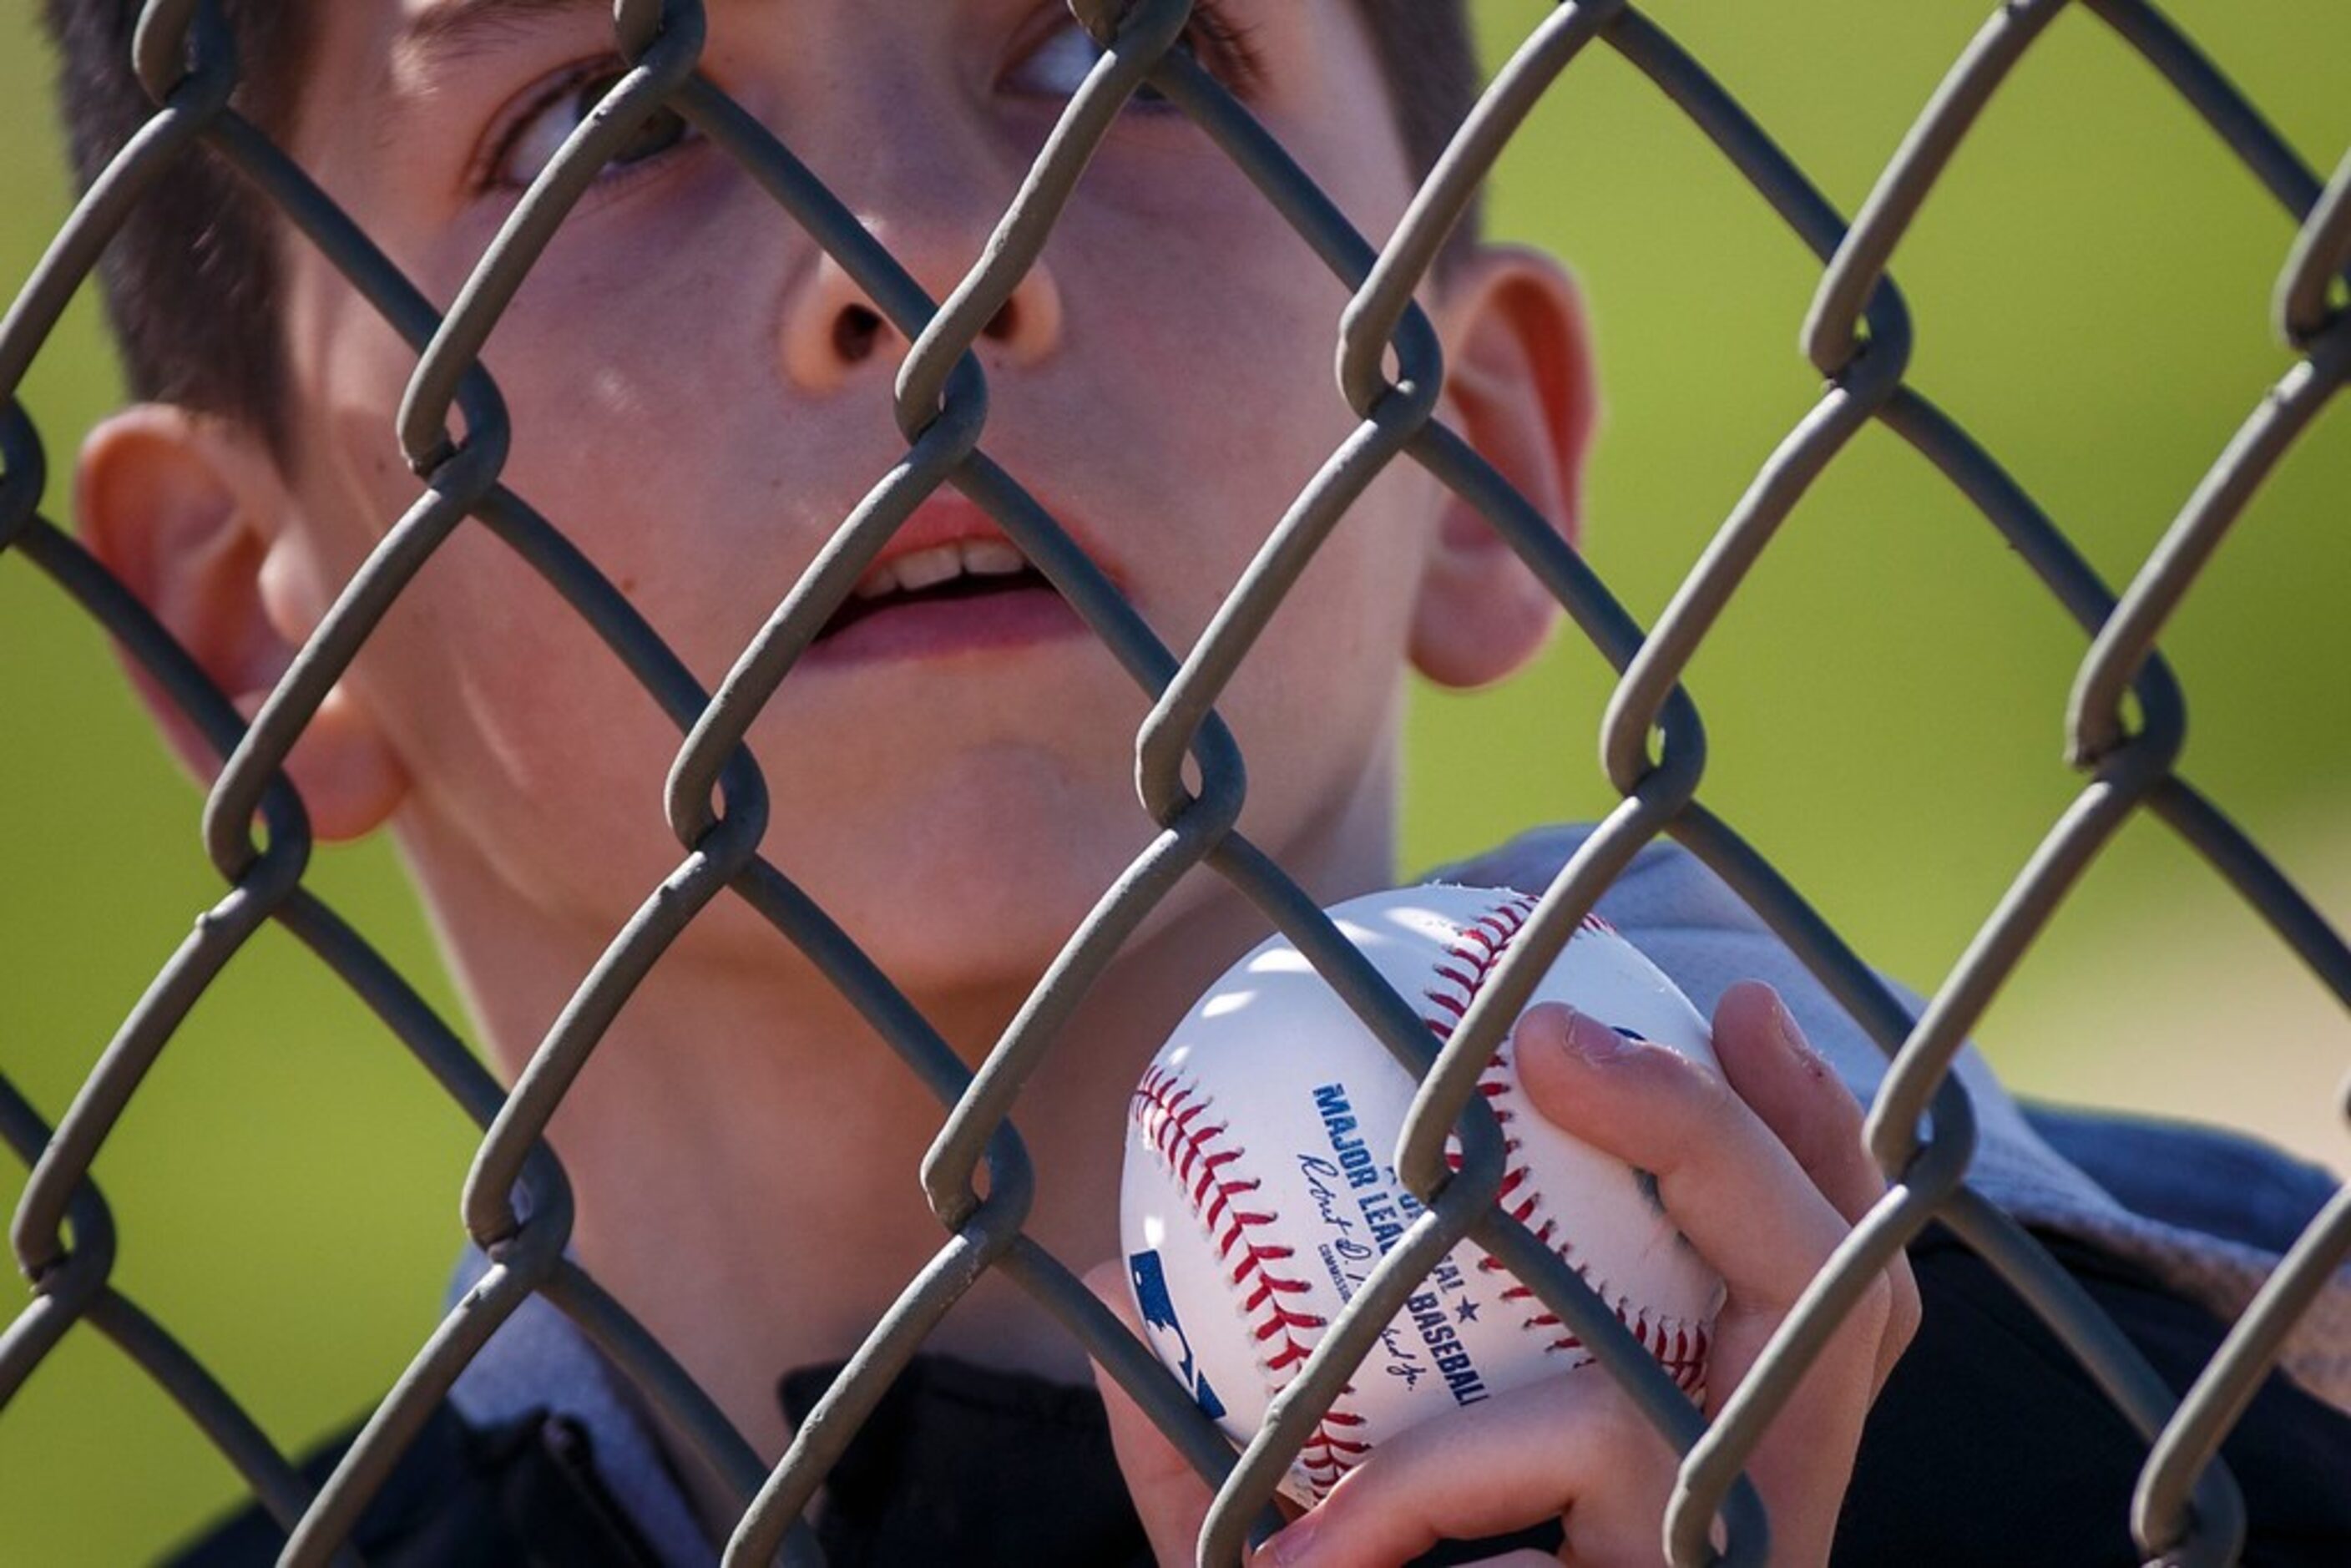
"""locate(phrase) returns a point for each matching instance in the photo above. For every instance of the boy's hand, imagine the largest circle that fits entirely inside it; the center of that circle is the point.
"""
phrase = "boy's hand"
(1765, 1174)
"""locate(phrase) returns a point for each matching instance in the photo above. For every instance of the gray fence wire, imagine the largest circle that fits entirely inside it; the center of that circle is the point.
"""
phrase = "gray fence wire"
(2126, 724)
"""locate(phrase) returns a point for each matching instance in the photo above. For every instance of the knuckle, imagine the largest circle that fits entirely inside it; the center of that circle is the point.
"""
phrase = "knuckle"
(1877, 1302)
(1908, 1310)
(1708, 1092)
(1887, 1312)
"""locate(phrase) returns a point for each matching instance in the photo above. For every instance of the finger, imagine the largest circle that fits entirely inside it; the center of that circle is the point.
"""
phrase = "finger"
(1169, 1496)
(1505, 1464)
(1767, 1059)
(1576, 1448)
(1732, 1187)
(1740, 1194)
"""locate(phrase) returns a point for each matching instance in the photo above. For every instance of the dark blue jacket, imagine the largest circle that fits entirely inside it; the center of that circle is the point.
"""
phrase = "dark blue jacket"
(1988, 1446)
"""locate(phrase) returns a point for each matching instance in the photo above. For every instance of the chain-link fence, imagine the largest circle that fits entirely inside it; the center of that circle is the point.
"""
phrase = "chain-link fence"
(2125, 723)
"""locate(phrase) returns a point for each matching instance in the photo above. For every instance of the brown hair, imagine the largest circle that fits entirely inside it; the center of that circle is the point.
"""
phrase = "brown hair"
(191, 281)
(1430, 65)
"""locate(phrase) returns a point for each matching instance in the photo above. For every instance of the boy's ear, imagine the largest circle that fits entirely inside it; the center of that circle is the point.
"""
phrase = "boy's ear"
(190, 513)
(1519, 385)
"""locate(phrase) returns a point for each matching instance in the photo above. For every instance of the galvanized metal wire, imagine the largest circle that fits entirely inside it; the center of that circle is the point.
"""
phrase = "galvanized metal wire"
(2125, 724)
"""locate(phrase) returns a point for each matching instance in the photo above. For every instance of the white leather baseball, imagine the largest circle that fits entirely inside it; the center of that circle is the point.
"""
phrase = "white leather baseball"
(1260, 1190)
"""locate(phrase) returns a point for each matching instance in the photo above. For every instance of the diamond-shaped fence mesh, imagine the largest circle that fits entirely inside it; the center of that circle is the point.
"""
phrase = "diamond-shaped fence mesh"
(2125, 726)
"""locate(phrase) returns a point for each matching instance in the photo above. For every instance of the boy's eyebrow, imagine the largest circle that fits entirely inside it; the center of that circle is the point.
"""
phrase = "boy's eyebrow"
(451, 31)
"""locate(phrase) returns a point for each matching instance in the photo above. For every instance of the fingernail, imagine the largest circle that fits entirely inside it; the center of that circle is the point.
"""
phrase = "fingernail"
(1292, 1545)
(1791, 1035)
(1591, 1040)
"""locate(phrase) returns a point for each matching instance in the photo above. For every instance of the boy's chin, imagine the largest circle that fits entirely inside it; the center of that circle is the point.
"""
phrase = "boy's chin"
(985, 919)
(937, 919)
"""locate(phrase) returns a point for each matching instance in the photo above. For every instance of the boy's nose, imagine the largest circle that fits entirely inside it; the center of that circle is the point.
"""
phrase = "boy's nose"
(833, 331)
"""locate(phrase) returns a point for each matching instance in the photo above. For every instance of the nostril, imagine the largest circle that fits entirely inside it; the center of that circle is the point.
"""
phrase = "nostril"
(854, 331)
(1006, 322)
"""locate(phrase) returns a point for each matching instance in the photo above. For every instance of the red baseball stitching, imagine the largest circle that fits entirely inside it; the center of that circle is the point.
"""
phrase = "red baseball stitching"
(1679, 1345)
(1167, 1111)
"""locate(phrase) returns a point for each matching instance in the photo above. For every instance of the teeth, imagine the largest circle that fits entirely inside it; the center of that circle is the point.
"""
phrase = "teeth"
(993, 557)
(942, 563)
(928, 568)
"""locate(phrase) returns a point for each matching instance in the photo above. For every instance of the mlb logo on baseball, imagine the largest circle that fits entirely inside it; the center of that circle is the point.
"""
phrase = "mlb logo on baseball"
(1149, 1279)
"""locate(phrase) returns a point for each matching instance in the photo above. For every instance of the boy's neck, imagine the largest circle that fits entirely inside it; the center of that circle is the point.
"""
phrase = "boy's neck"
(740, 1114)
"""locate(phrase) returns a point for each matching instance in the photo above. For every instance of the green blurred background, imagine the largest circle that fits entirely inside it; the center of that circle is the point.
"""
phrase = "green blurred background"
(1886, 700)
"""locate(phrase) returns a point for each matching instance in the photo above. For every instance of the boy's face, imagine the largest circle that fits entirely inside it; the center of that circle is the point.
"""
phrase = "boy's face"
(699, 397)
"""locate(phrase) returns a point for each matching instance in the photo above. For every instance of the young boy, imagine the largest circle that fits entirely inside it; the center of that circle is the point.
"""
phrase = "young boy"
(699, 394)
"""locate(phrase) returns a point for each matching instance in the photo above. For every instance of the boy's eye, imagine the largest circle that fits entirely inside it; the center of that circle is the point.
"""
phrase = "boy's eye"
(1056, 68)
(534, 140)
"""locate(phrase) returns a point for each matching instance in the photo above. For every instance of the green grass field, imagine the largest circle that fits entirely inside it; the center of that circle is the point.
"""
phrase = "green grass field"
(1885, 702)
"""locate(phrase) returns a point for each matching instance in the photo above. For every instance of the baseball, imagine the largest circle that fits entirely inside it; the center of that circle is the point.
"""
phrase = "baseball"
(1259, 1189)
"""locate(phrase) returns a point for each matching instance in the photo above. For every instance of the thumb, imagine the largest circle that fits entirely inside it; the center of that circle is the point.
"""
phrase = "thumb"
(1168, 1494)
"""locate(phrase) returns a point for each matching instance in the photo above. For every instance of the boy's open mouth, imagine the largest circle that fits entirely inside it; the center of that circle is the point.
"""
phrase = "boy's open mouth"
(942, 574)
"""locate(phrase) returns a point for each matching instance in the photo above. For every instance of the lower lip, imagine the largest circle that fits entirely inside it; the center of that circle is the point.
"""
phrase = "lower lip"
(988, 623)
